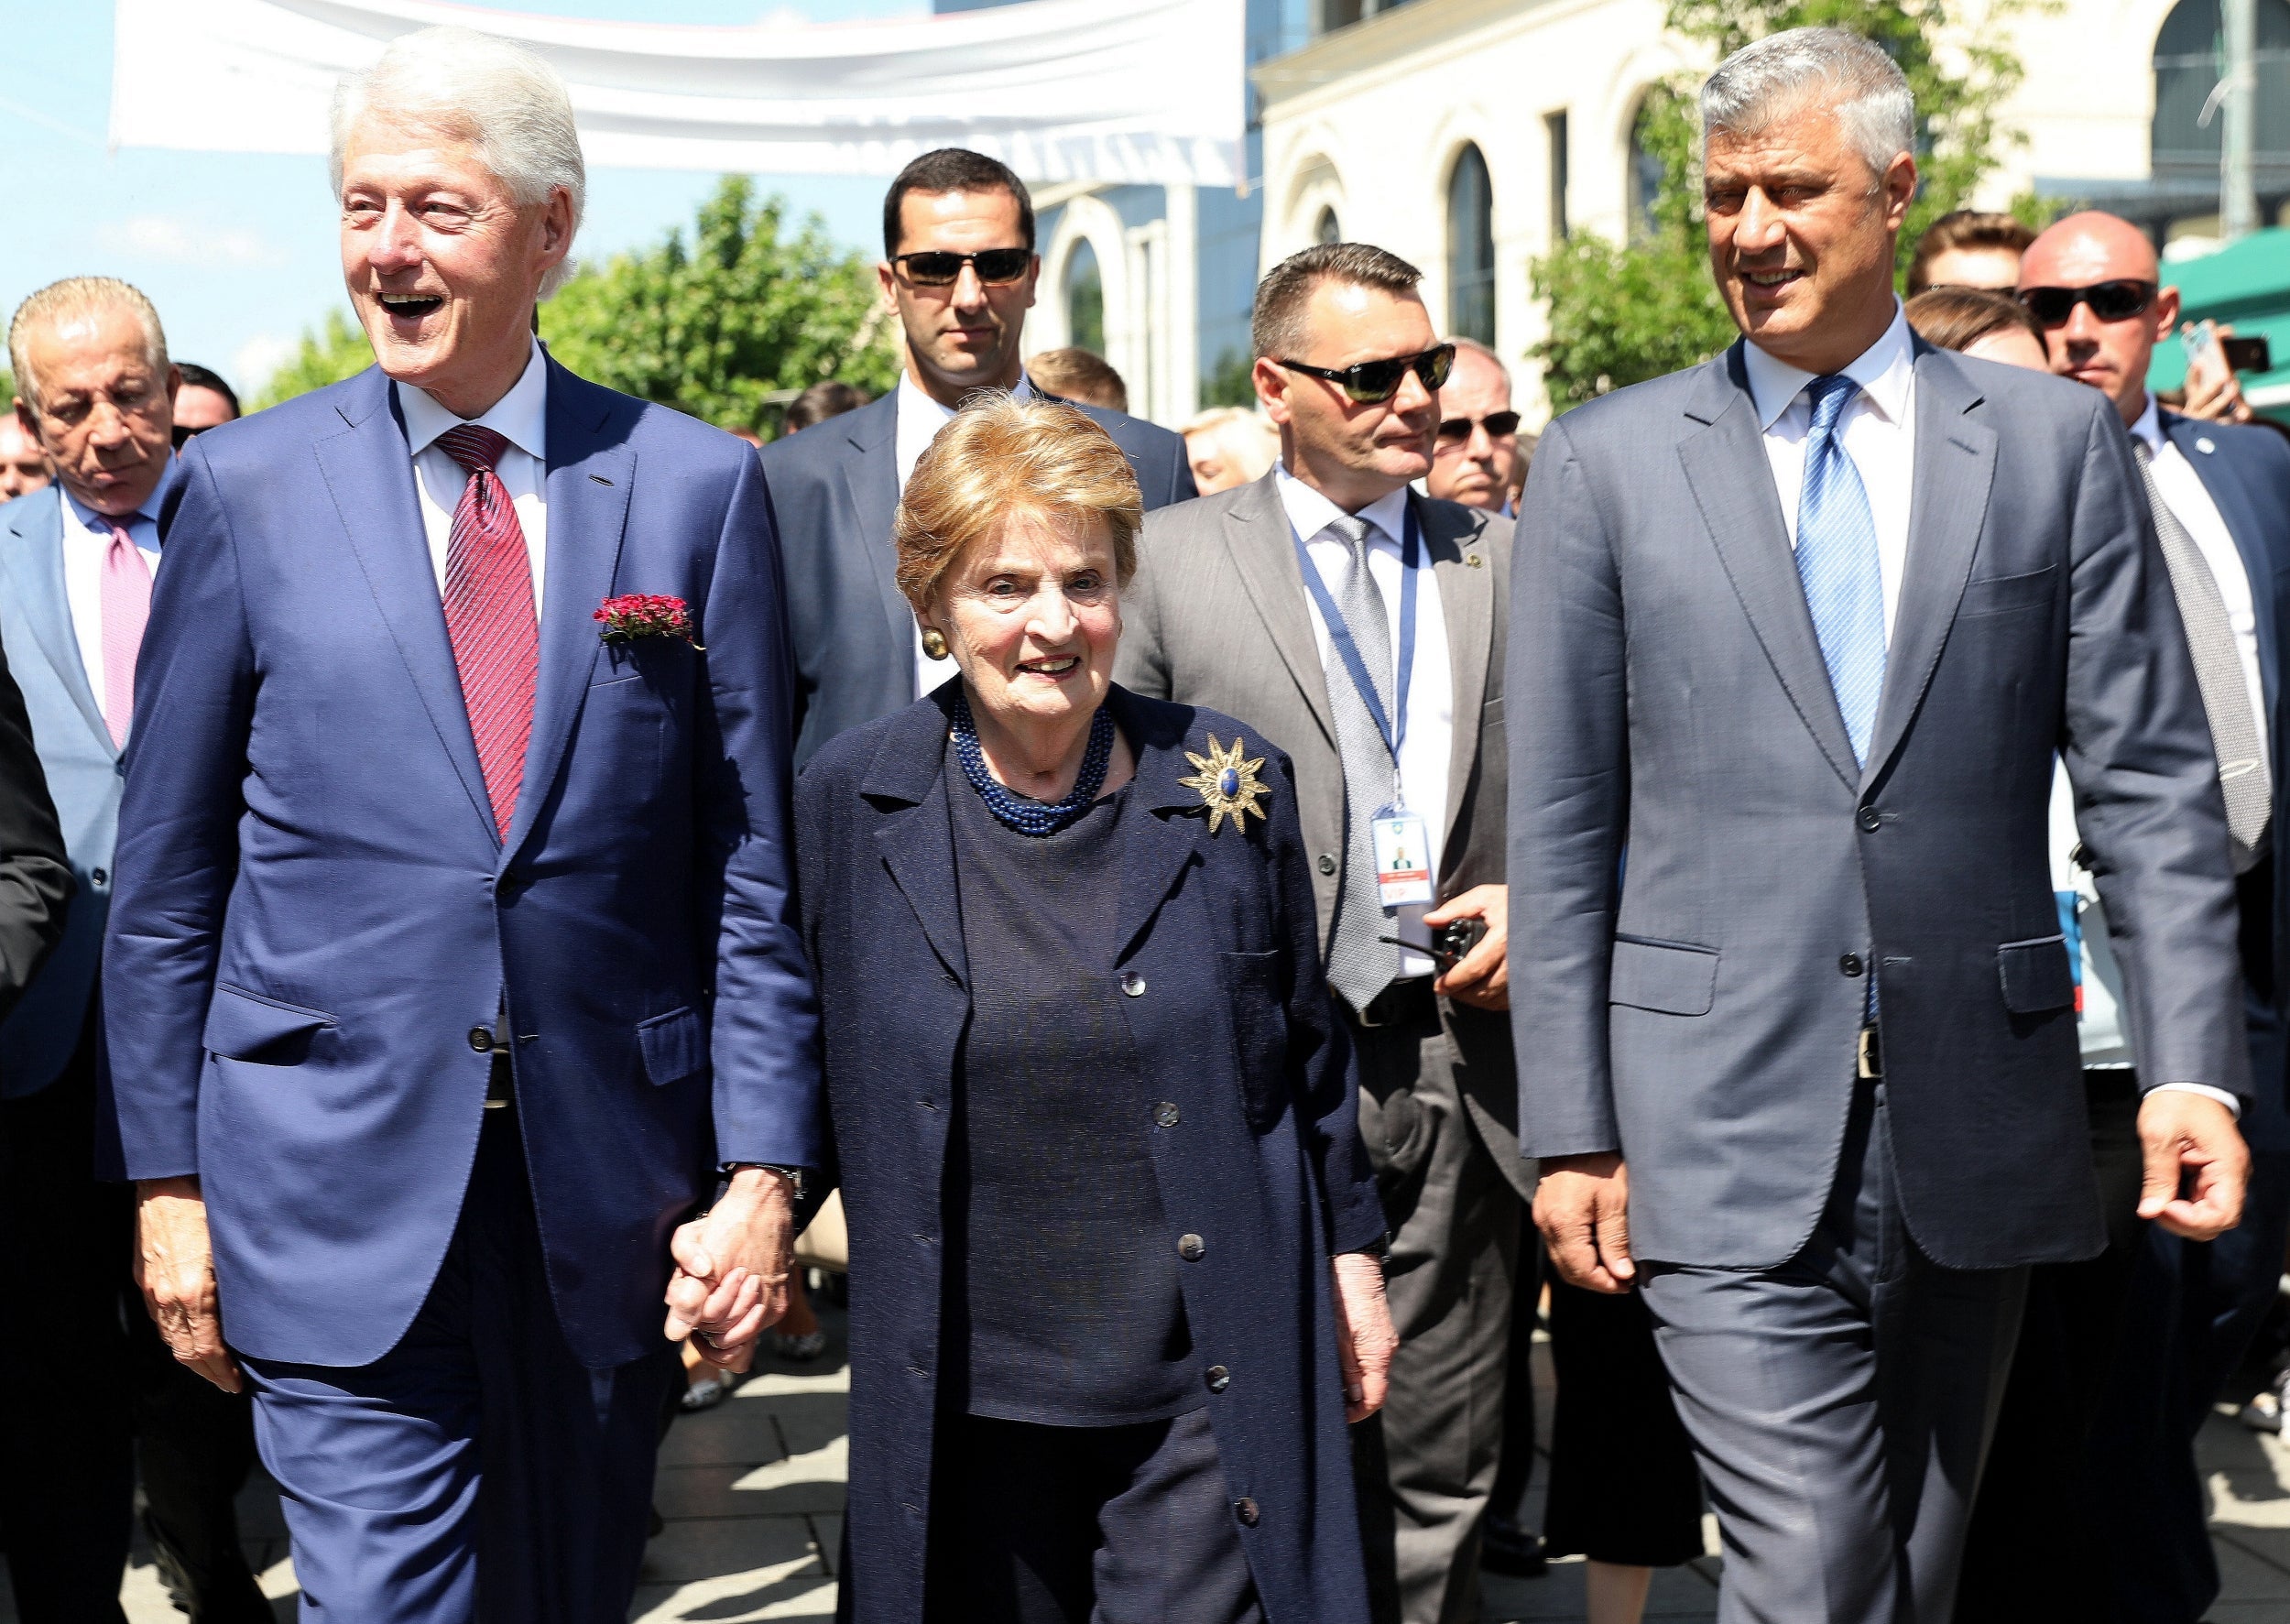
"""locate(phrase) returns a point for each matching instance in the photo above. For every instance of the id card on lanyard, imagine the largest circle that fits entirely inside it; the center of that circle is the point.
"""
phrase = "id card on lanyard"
(1398, 837)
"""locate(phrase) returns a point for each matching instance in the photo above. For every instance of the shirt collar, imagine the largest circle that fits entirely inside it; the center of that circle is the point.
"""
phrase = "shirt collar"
(2149, 427)
(519, 416)
(1312, 512)
(1884, 371)
(148, 513)
(918, 405)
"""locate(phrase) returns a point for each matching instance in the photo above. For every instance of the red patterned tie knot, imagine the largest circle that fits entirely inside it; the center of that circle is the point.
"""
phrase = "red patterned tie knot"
(477, 449)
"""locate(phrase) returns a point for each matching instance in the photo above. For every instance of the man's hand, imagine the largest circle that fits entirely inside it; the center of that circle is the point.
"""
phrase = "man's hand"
(2180, 1134)
(2213, 392)
(732, 1264)
(1582, 1207)
(1482, 976)
(174, 1265)
(1364, 1340)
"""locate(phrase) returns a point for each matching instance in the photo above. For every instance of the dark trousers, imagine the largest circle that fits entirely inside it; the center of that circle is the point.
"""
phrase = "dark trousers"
(1624, 1488)
(67, 1480)
(1508, 1504)
(1083, 1525)
(194, 1451)
(478, 1470)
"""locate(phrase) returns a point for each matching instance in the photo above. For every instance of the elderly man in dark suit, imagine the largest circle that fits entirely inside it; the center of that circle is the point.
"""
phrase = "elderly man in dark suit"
(959, 265)
(1360, 628)
(1803, 632)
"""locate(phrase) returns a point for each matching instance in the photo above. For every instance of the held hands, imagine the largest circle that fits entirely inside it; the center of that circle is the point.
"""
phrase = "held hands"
(1482, 976)
(2183, 1134)
(732, 1264)
(1364, 1340)
(1582, 1207)
(174, 1267)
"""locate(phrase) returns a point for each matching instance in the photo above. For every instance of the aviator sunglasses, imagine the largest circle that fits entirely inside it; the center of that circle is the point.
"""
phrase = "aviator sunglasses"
(937, 268)
(2118, 301)
(1456, 431)
(1370, 382)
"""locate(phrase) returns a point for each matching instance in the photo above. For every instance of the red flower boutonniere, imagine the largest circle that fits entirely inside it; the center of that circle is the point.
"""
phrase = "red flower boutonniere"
(638, 614)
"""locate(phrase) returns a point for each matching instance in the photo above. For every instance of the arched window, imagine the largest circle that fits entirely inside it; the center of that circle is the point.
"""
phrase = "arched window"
(1084, 299)
(2189, 61)
(1326, 229)
(1470, 248)
(1644, 175)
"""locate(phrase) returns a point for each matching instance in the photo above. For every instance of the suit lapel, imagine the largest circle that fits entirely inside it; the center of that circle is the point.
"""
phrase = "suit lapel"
(2233, 501)
(1466, 605)
(33, 565)
(1156, 847)
(917, 836)
(369, 472)
(871, 479)
(590, 474)
(1955, 462)
(1727, 470)
(1263, 548)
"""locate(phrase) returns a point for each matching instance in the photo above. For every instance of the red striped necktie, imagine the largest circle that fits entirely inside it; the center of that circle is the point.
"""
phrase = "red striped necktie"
(489, 616)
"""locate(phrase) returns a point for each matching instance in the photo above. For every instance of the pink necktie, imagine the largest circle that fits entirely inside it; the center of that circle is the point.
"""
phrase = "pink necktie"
(489, 616)
(126, 606)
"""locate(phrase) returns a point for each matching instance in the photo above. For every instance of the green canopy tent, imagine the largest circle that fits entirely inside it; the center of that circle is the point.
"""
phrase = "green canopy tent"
(2246, 286)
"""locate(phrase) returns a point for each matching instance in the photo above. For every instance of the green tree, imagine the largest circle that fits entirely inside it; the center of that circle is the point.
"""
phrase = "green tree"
(334, 352)
(1621, 315)
(741, 318)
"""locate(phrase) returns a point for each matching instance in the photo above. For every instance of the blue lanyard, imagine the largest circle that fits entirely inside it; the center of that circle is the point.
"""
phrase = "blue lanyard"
(1394, 730)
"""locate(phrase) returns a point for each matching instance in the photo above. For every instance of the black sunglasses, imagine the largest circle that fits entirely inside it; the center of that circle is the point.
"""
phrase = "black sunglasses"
(1496, 423)
(936, 268)
(2118, 301)
(1369, 382)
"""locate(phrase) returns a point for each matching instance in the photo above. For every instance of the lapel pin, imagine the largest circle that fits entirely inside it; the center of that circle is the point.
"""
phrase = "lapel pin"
(2203, 444)
(1229, 786)
(1473, 560)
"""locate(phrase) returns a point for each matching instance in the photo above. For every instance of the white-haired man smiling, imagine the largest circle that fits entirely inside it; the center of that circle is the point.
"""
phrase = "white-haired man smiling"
(450, 967)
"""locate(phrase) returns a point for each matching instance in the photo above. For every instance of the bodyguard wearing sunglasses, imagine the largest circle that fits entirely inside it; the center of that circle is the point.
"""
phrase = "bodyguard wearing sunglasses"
(1360, 628)
(1477, 451)
(2219, 495)
(959, 266)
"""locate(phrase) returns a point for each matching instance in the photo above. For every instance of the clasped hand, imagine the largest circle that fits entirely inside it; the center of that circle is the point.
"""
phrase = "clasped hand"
(732, 1266)
(1482, 976)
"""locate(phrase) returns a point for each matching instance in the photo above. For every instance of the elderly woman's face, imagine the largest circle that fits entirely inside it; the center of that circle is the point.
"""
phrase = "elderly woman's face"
(1032, 616)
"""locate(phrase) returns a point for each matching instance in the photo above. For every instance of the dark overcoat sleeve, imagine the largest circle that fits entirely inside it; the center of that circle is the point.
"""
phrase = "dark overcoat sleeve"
(35, 872)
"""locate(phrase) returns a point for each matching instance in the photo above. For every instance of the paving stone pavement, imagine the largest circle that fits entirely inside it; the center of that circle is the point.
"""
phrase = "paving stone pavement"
(752, 1495)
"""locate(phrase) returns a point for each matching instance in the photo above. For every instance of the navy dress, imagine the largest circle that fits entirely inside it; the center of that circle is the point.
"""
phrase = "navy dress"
(1239, 1086)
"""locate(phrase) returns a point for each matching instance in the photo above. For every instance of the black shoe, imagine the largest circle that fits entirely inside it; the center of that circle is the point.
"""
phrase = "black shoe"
(1512, 1553)
(223, 1593)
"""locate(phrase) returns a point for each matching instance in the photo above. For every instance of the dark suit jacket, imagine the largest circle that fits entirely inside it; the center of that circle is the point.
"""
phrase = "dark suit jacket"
(34, 871)
(834, 488)
(315, 910)
(1254, 1141)
(1667, 693)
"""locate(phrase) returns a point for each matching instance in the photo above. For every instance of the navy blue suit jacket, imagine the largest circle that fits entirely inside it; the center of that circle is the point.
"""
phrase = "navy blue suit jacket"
(1254, 1134)
(835, 488)
(313, 910)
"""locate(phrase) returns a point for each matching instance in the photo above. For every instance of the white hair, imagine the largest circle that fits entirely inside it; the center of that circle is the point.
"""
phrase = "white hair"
(1777, 75)
(74, 299)
(501, 96)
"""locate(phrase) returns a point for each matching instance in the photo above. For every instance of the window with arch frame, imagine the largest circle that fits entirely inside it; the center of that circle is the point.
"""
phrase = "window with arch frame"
(1471, 247)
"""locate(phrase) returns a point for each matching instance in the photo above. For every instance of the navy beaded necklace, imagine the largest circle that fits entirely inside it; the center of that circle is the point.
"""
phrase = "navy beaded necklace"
(1027, 816)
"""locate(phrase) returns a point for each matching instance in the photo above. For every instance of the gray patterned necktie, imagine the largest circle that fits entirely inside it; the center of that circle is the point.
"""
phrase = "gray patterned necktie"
(2226, 692)
(1360, 965)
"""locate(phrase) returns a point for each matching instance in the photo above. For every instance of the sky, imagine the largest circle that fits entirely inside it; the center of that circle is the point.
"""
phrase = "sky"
(237, 250)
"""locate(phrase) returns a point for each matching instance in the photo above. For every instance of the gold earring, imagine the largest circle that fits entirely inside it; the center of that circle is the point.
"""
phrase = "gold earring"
(933, 642)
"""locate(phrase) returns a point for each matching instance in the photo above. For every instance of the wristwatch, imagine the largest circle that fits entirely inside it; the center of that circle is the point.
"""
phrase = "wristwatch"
(793, 1175)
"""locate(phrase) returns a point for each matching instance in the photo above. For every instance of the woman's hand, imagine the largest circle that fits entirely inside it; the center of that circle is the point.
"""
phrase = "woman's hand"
(732, 1265)
(1364, 1340)
(1482, 976)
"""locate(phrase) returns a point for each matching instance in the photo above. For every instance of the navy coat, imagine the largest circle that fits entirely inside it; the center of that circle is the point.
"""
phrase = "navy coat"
(1260, 1155)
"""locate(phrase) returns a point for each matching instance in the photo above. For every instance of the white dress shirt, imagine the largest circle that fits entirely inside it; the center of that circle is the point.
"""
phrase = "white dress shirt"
(918, 420)
(1877, 427)
(1429, 741)
(520, 416)
(2189, 502)
(87, 539)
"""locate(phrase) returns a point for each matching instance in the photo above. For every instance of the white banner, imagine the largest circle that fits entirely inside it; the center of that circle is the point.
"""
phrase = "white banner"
(1141, 91)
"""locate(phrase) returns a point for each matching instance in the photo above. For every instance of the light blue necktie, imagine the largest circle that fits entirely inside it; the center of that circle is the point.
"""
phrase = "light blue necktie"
(1836, 561)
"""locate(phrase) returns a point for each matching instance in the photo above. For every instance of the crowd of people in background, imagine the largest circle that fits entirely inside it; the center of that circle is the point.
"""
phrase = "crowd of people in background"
(1088, 852)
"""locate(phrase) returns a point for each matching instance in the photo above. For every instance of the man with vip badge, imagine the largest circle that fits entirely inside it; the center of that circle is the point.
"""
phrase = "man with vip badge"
(1356, 626)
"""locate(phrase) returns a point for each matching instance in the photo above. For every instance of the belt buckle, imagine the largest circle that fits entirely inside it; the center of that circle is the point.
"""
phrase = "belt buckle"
(1871, 1056)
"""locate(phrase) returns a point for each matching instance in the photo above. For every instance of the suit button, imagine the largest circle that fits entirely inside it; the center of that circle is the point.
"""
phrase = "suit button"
(1218, 1379)
(1246, 1510)
(1868, 820)
(480, 1040)
(1850, 964)
(1191, 1247)
(100, 876)
(1165, 1114)
(1133, 983)
(1327, 864)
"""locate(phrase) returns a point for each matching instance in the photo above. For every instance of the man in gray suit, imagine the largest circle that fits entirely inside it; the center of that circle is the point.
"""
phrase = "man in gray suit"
(1359, 627)
(1798, 634)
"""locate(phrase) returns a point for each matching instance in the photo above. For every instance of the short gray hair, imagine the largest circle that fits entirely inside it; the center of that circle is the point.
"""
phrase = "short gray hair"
(1462, 342)
(501, 96)
(1777, 75)
(1276, 327)
(78, 299)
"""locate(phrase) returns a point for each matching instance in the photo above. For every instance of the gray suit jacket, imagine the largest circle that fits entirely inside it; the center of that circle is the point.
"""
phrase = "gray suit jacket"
(1698, 1008)
(1217, 616)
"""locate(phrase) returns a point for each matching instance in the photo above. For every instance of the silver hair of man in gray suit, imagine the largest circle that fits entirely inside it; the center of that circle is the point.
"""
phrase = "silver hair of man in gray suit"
(1777, 75)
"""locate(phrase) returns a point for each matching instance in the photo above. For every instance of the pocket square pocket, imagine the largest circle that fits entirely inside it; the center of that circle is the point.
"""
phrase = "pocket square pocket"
(243, 1025)
(1995, 595)
(1667, 977)
(2036, 974)
(675, 1045)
